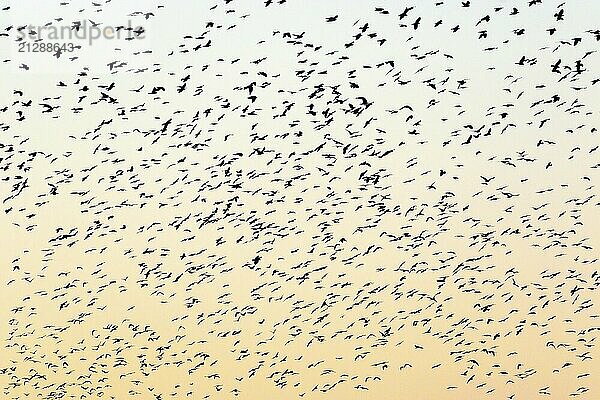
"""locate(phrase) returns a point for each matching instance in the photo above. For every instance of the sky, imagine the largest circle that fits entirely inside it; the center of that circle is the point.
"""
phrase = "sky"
(250, 201)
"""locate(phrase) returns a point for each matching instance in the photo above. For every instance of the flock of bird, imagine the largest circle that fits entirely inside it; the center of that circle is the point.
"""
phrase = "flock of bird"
(303, 199)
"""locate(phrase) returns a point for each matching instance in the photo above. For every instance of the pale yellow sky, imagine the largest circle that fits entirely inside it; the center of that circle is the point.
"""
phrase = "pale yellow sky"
(407, 219)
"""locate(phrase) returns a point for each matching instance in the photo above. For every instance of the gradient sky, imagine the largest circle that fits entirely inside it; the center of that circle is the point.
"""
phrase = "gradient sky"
(450, 224)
